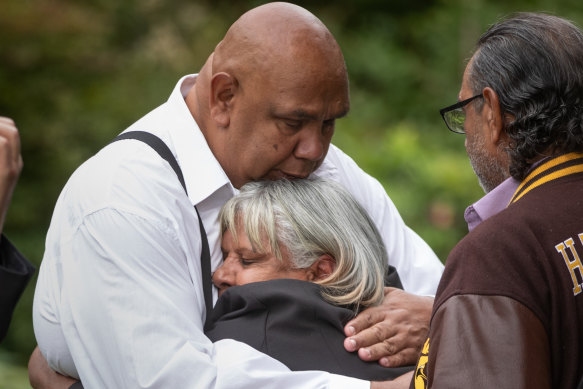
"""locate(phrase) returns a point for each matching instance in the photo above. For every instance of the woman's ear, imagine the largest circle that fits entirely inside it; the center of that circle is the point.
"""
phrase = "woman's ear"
(322, 267)
(223, 88)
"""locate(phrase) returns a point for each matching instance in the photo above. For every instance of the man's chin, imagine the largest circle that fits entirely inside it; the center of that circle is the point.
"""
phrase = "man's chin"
(489, 183)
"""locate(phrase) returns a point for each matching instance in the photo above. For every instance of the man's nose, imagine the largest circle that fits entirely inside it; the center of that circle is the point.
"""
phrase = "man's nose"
(312, 144)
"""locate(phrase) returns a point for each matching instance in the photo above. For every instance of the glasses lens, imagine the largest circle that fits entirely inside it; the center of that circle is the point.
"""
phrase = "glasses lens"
(455, 120)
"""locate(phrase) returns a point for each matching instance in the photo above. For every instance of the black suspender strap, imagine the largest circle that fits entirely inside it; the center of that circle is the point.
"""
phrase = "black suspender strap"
(157, 144)
(205, 259)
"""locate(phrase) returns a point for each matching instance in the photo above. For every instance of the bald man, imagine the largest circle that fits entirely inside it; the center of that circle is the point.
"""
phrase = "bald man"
(119, 301)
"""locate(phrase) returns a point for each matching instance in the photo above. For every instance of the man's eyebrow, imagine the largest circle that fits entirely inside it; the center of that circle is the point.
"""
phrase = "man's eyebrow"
(303, 114)
(295, 114)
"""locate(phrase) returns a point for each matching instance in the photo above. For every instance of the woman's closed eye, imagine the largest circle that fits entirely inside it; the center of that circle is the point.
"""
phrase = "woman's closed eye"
(246, 262)
(250, 258)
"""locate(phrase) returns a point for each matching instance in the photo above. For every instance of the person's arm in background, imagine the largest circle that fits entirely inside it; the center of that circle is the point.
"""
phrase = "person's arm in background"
(394, 332)
(15, 270)
(10, 164)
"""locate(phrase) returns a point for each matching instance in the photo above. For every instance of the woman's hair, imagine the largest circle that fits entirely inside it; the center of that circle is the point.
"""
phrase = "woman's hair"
(534, 62)
(310, 218)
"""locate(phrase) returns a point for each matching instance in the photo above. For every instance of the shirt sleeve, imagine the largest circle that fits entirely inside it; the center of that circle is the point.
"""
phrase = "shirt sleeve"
(133, 313)
(484, 341)
(418, 267)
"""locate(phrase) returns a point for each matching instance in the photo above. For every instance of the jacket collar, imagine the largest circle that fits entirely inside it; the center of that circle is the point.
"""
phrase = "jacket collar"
(550, 170)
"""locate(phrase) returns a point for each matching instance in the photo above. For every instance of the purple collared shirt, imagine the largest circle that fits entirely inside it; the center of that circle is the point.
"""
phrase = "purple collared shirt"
(495, 201)
(492, 203)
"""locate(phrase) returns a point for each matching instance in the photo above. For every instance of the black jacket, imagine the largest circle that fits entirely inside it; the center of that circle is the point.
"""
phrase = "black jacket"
(290, 321)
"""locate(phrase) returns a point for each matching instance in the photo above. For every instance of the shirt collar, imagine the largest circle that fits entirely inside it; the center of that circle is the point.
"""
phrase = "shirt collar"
(492, 203)
(202, 172)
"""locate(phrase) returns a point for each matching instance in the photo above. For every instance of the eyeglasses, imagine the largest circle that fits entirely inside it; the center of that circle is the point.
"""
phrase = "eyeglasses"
(454, 115)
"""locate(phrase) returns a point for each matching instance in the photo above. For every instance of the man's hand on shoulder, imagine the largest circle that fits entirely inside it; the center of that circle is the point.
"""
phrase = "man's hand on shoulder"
(393, 332)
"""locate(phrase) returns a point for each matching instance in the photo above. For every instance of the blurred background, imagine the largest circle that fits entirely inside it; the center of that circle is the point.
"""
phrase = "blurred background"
(73, 74)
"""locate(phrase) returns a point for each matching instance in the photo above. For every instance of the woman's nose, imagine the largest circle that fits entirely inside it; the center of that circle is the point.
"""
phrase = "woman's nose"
(224, 277)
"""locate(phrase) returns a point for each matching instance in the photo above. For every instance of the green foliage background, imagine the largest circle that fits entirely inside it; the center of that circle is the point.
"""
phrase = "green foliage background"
(73, 74)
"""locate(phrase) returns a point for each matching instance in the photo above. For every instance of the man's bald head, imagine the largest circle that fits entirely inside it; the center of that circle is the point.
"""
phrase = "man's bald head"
(278, 37)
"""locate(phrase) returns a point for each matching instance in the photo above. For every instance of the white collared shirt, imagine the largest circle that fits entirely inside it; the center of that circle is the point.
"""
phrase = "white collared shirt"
(121, 271)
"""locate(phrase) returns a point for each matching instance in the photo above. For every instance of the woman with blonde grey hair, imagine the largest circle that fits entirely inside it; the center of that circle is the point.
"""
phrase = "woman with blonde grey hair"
(276, 236)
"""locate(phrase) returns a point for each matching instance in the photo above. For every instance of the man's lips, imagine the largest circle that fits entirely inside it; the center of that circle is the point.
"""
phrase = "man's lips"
(291, 176)
(279, 174)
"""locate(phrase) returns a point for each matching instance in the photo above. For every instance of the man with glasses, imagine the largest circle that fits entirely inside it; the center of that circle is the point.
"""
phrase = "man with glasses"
(509, 309)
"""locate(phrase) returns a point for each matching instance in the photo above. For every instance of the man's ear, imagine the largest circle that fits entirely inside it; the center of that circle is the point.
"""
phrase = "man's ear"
(492, 116)
(322, 267)
(222, 90)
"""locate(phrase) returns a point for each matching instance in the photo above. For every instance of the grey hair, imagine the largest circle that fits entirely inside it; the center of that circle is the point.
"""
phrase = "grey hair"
(312, 217)
(534, 63)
